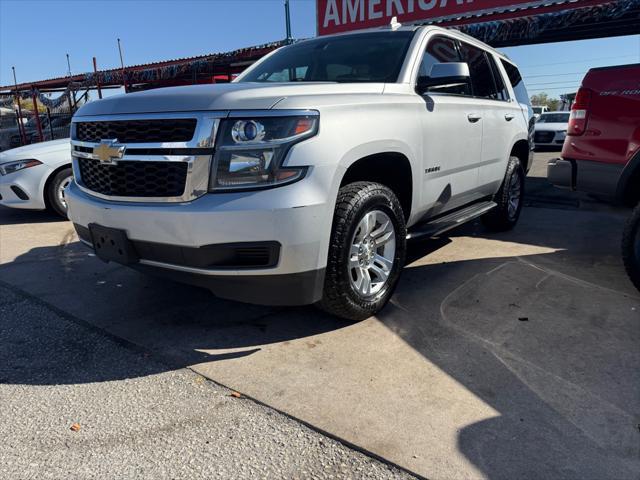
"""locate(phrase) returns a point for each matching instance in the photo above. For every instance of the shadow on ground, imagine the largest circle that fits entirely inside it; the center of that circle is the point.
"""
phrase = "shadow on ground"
(12, 216)
(549, 340)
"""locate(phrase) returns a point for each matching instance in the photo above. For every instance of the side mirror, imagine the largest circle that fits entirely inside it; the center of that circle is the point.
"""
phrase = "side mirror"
(444, 74)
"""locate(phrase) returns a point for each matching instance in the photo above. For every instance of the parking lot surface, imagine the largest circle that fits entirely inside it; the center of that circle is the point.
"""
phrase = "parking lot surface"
(136, 417)
(511, 355)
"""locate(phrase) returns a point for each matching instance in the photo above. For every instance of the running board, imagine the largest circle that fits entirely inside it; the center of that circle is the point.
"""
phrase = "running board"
(440, 225)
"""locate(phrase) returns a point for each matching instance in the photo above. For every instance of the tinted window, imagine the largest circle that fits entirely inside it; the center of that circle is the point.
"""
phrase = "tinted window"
(503, 93)
(516, 82)
(442, 50)
(554, 118)
(480, 69)
(369, 57)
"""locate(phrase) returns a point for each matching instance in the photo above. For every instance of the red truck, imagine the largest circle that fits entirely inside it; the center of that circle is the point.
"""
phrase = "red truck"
(601, 153)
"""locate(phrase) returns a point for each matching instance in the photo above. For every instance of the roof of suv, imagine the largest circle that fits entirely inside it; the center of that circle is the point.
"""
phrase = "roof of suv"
(413, 28)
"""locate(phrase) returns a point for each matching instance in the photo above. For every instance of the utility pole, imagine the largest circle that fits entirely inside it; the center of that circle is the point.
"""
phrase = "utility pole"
(287, 15)
(68, 66)
(124, 78)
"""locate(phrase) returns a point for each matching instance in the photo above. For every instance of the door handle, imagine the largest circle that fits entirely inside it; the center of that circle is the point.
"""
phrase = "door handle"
(509, 116)
(473, 117)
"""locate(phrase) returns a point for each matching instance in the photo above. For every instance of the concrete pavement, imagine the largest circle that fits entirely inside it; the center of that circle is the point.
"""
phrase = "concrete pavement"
(154, 422)
(500, 356)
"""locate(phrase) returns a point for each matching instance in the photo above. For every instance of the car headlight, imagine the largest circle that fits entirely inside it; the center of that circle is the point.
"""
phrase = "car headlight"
(250, 151)
(12, 167)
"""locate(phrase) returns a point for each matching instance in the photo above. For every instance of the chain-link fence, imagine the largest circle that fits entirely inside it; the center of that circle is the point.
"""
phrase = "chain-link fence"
(20, 125)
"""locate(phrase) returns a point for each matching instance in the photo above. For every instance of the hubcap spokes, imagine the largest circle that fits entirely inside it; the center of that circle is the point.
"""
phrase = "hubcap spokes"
(372, 253)
(515, 194)
(64, 184)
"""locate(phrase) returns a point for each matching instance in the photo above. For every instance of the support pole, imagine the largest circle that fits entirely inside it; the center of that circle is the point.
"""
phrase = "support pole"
(287, 16)
(49, 121)
(35, 109)
(124, 73)
(23, 136)
(95, 70)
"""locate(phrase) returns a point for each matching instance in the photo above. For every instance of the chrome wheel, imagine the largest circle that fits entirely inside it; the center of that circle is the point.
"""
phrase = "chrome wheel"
(60, 193)
(515, 195)
(373, 249)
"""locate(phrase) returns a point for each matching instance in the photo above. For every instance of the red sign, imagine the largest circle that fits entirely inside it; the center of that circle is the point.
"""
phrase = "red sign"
(342, 15)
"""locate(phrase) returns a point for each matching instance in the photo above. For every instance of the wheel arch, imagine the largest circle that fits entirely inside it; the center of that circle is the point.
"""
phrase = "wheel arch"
(628, 191)
(390, 168)
(522, 150)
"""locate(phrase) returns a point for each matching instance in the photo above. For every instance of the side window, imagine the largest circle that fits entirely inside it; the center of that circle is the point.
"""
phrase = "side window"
(516, 82)
(481, 76)
(503, 93)
(442, 50)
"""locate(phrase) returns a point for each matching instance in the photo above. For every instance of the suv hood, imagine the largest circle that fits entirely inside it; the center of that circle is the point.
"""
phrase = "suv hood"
(229, 96)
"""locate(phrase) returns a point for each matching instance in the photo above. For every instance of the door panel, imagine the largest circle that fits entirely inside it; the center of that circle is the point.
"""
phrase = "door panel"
(452, 140)
(500, 116)
(452, 147)
(502, 119)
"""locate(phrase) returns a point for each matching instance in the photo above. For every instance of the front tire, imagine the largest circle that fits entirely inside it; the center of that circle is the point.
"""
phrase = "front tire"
(509, 199)
(366, 252)
(55, 191)
(631, 247)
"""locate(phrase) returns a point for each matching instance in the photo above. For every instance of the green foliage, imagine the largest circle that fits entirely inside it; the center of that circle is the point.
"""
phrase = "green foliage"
(542, 99)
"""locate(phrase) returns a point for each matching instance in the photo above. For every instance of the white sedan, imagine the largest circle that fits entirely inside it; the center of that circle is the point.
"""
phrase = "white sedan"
(35, 176)
(551, 129)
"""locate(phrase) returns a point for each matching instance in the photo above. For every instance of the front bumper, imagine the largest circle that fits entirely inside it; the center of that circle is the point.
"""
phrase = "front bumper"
(297, 217)
(549, 138)
(24, 189)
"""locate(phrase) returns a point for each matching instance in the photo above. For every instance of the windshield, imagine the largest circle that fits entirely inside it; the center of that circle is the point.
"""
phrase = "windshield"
(367, 57)
(554, 118)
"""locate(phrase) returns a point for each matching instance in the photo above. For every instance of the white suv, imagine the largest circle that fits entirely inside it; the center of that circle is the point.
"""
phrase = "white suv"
(302, 181)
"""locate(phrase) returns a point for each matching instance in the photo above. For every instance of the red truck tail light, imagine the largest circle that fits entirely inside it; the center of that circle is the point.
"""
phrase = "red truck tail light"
(579, 112)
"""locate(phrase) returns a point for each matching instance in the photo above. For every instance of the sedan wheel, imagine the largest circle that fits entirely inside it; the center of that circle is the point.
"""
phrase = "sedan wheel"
(55, 191)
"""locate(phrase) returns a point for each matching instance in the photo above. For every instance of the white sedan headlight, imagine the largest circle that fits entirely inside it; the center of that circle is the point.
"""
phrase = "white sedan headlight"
(12, 167)
(250, 151)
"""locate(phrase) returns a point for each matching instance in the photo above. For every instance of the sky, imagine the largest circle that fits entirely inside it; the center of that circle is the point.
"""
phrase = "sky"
(36, 35)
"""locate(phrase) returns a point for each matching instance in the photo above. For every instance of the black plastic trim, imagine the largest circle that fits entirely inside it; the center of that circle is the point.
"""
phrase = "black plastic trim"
(21, 194)
(291, 289)
(221, 256)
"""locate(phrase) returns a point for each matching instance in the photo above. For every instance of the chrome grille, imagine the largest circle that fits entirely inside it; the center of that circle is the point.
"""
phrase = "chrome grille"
(166, 157)
(134, 178)
(544, 137)
(137, 131)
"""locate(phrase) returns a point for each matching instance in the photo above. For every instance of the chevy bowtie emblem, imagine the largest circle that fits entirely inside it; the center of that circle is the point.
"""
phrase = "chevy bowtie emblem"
(108, 152)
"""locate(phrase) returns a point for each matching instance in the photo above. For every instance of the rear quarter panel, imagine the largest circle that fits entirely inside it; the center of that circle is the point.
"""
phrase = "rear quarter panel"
(613, 129)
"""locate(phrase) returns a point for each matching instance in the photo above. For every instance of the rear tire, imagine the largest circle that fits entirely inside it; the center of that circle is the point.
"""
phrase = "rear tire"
(631, 247)
(366, 253)
(509, 199)
(55, 191)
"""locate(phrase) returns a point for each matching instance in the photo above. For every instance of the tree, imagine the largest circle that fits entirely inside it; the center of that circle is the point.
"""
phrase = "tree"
(543, 99)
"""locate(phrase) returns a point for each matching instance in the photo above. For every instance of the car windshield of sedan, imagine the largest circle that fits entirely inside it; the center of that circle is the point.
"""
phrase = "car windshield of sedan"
(356, 58)
(554, 118)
